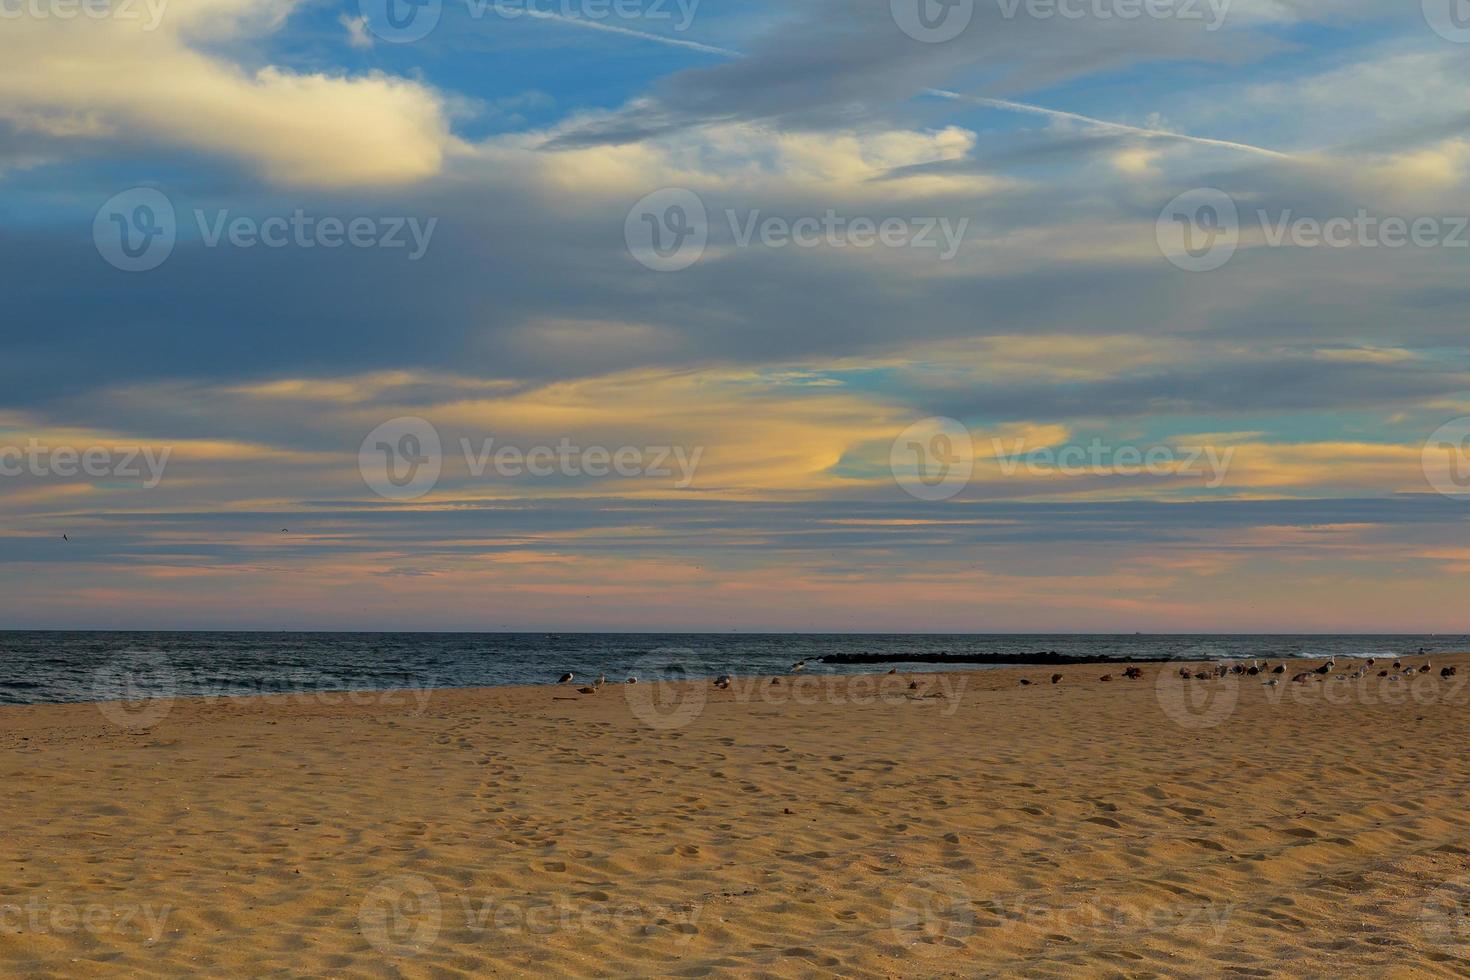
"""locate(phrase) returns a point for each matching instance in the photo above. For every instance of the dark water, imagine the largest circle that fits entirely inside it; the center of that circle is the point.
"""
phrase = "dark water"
(39, 667)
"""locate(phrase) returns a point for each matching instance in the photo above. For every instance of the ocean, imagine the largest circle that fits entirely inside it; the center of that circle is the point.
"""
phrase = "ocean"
(53, 666)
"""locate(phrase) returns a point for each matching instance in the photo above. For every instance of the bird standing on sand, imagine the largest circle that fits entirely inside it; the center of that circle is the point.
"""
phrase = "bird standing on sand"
(1056, 678)
(1279, 669)
(1025, 682)
(723, 681)
(565, 678)
(632, 680)
(601, 680)
(1184, 673)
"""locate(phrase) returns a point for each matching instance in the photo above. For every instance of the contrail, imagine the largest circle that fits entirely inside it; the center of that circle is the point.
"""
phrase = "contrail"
(1004, 104)
(625, 31)
(1106, 124)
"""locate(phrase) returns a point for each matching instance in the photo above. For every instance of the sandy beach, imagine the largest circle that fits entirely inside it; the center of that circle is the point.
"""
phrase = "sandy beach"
(969, 826)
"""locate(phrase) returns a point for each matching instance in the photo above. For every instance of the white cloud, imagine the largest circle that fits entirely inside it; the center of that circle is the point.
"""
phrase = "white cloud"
(134, 79)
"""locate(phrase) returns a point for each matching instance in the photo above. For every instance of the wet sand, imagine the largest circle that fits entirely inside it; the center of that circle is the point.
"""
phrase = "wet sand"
(971, 826)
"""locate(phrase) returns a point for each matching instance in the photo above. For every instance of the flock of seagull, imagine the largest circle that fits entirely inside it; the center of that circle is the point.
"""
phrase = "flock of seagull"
(1256, 668)
(1322, 672)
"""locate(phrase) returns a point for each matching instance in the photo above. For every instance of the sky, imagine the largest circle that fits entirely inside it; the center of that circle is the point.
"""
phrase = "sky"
(839, 315)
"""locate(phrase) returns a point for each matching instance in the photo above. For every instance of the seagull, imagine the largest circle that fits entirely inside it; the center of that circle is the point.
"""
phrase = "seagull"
(723, 681)
(65, 538)
(601, 680)
(1025, 682)
(1184, 673)
(565, 679)
(632, 680)
(799, 665)
(1279, 669)
(1056, 678)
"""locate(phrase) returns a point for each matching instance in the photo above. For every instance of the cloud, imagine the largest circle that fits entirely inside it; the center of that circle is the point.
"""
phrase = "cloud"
(169, 84)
